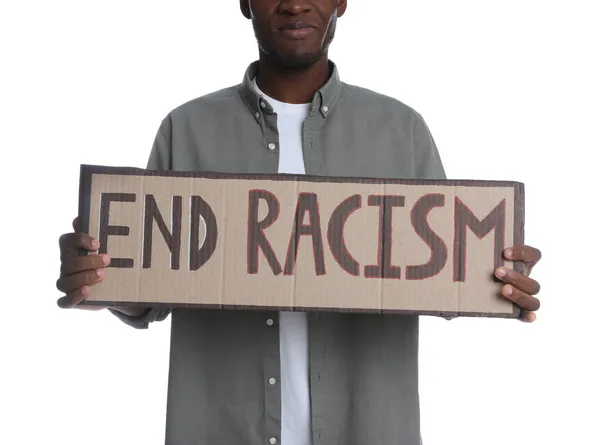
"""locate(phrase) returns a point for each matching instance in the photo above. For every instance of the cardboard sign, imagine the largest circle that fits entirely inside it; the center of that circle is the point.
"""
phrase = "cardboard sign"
(290, 242)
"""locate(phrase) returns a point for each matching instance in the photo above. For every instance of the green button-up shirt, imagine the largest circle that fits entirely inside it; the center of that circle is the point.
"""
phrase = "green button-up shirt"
(224, 364)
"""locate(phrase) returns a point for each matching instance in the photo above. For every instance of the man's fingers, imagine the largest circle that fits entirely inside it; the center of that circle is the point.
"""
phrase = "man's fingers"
(78, 241)
(520, 281)
(69, 283)
(75, 298)
(78, 273)
(520, 298)
(72, 299)
(526, 254)
(83, 263)
(528, 317)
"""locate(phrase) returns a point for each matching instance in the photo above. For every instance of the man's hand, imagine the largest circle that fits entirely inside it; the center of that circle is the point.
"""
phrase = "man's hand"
(519, 288)
(78, 273)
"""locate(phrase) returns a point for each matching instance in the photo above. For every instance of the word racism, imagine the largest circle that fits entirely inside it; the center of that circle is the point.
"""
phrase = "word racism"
(310, 225)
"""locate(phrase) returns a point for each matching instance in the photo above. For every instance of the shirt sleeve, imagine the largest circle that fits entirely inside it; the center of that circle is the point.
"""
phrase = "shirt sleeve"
(142, 321)
(159, 159)
(160, 155)
(428, 163)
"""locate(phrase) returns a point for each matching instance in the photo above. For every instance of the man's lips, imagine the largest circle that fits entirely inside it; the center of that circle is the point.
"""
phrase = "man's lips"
(297, 30)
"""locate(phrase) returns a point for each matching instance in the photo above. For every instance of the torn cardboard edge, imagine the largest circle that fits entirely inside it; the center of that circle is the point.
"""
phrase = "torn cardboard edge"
(88, 172)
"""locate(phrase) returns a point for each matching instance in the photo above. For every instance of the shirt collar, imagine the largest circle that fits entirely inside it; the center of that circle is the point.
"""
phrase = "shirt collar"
(323, 101)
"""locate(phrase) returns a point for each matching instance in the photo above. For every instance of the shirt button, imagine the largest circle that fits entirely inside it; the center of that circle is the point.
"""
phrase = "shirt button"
(257, 115)
(272, 381)
(325, 109)
(262, 104)
(270, 322)
(271, 146)
(272, 441)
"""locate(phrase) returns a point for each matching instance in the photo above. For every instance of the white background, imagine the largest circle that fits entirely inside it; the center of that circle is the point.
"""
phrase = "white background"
(510, 90)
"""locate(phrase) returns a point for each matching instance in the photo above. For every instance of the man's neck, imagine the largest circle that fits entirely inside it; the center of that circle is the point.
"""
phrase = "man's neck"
(292, 86)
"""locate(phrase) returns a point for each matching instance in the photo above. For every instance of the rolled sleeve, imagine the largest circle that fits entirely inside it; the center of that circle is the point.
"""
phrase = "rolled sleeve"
(142, 321)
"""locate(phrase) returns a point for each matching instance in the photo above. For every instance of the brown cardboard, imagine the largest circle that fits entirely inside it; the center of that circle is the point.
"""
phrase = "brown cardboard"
(347, 258)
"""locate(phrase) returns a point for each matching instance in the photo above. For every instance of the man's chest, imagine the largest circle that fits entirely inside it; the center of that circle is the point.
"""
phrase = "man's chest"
(339, 147)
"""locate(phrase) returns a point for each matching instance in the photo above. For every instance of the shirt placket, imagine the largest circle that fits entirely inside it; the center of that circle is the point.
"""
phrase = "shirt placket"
(313, 155)
(318, 376)
(271, 378)
(268, 122)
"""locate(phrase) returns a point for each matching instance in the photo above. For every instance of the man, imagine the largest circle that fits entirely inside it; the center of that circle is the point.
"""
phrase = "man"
(290, 378)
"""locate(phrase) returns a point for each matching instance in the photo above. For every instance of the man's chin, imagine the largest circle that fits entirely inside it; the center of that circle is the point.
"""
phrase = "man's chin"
(297, 61)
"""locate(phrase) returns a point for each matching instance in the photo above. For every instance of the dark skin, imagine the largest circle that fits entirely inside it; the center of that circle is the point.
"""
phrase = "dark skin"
(293, 38)
(520, 288)
(292, 68)
(78, 273)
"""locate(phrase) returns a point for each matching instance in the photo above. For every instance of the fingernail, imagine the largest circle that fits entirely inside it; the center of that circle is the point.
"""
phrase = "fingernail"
(100, 273)
(106, 259)
(95, 244)
(85, 290)
(508, 290)
(501, 272)
(508, 253)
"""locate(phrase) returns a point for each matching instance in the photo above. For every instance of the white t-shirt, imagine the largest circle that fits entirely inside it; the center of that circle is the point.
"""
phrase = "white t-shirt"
(293, 326)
